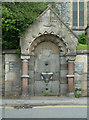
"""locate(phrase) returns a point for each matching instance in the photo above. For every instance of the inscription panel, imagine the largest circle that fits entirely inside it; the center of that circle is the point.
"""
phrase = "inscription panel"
(13, 66)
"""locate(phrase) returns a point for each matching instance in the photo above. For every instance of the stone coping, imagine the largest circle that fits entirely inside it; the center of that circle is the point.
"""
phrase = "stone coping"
(82, 51)
(14, 51)
(9, 51)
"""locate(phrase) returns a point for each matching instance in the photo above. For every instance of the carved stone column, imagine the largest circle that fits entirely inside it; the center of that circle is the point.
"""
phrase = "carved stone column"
(25, 75)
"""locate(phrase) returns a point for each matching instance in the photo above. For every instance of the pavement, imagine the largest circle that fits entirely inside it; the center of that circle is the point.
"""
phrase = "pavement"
(44, 101)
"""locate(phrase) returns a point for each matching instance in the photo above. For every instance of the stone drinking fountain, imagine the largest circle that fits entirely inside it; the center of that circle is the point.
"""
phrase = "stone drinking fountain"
(47, 76)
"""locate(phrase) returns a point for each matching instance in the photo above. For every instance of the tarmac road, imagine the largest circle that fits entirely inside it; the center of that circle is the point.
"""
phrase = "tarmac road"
(59, 111)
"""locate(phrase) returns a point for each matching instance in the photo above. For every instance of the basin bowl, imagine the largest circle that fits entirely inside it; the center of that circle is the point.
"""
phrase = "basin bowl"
(47, 76)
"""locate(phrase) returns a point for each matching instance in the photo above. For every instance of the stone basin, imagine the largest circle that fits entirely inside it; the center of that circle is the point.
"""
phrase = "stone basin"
(47, 76)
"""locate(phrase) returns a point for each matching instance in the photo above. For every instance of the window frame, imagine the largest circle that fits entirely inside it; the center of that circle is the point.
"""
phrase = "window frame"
(85, 16)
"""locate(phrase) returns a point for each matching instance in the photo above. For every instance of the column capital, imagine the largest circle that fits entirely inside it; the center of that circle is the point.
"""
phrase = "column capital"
(70, 58)
(25, 57)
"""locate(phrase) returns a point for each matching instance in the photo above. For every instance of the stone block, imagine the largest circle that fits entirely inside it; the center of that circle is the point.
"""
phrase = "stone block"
(53, 87)
(77, 81)
(63, 73)
(77, 85)
(78, 67)
(63, 89)
(37, 76)
(39, 87)
(63, 80)
(31, 74)
(63, 60)
(8, 85)
(56, 76)
(63, 66)
(16, 86)
(11, 57)
(82, 76)
(31, 67)
(84, 84)
(82, 59)
(31, 89)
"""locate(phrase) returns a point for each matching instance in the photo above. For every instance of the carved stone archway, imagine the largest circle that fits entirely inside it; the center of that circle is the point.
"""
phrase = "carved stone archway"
(59, 42)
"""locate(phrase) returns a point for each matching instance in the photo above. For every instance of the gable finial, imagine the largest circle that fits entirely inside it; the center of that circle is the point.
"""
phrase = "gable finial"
(49, 5)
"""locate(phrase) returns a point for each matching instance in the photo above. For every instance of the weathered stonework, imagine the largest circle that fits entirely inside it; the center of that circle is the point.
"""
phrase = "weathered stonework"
(63, 10)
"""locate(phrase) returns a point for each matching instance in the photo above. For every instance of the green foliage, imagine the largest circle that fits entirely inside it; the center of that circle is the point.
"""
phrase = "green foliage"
(78, 89)
(16, 17)
(82, 38)
(18, 51)
(76, 95)
(78, 92)
(82, 47)
(46, 94)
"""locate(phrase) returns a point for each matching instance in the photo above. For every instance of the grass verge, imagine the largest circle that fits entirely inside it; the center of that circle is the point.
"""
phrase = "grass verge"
(82, 47)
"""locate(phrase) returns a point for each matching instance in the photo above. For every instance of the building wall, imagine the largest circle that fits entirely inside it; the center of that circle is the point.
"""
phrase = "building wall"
(64, 10)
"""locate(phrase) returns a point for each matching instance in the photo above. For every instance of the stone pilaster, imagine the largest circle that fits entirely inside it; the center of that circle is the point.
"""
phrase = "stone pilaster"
(25, 75)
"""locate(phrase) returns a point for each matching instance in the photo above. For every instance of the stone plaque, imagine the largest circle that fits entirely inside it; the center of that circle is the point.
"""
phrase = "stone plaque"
(79, 67)
(13, 66)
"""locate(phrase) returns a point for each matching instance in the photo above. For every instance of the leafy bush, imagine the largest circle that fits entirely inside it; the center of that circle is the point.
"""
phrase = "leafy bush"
(16, 17)
(82, 38)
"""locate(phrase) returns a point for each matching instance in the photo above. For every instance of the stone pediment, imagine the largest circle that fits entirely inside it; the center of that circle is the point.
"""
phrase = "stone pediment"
(49, 23)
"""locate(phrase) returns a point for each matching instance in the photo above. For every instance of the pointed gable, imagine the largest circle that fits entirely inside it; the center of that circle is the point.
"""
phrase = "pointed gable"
(49, 23)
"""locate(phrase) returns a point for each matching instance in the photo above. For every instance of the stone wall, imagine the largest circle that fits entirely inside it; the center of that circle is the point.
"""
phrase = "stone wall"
(80, 69)
(11, 74)
(63, 10)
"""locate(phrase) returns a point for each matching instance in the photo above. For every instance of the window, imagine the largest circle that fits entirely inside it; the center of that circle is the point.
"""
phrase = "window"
(75, 14)
(79, 14)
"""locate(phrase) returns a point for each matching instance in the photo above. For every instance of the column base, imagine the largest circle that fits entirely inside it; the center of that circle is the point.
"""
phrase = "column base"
(71, 94)
(25, 96)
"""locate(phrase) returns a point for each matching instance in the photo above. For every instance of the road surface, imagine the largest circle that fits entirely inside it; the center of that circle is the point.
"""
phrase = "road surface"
(66, 111)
